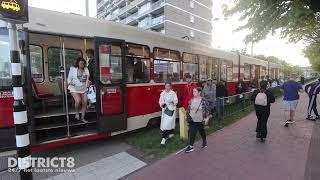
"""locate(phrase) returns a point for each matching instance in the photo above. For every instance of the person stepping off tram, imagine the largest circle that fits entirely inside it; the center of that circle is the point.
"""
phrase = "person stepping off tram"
(291, 90)
(313, 90)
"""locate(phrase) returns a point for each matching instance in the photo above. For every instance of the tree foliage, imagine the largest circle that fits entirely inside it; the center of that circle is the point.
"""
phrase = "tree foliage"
(312, 52)
(294, 19)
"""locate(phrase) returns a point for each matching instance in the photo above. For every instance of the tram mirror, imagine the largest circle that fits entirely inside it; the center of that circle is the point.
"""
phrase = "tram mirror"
(15, 11)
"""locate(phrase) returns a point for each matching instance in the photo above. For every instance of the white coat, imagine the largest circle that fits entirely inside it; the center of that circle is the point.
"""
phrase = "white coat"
(171, 100)
(73, 79)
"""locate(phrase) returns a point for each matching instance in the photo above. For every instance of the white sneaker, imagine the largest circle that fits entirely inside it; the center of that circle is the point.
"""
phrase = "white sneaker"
(163, 141)
(170, 136)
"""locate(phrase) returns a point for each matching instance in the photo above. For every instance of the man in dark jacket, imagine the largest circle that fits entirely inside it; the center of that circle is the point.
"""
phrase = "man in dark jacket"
(241, 86)
(91, 65)
(313, 90)
(221, 92)
(262, 112)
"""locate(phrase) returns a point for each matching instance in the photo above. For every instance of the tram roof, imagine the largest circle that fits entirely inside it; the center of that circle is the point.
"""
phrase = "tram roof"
(53, 22)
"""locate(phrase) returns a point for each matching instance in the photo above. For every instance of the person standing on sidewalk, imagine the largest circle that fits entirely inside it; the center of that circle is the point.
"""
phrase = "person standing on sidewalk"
(313, 90)
(209, 94)
(291, 89)
(241, 88)
(262, 99)
(221, 93)
(198, 116)
(168, 102)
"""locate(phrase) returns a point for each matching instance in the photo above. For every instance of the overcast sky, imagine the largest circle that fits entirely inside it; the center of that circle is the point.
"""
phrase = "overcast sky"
(223, 35)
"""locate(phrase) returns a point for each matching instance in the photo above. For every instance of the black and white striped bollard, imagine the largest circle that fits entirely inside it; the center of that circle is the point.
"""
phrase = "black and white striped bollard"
(19, 108)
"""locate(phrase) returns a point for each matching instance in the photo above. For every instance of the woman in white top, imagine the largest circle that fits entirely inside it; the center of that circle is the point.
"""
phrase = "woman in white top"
(77, 84)
(168, 102)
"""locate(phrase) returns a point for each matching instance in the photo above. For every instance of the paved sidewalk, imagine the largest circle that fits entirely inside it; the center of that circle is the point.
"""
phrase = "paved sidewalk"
(235, 154)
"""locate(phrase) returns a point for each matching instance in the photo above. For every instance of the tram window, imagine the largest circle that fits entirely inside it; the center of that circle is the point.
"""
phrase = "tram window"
(203, 67)
(166, 54)
(229, 71)
(212, 68)
(246, 72)
(5, 64)
(190, 66)
(166, 71)
(54, 61)
(263, 72)
(36, 59)
(223, 75)
(110, 63)
(138, 63)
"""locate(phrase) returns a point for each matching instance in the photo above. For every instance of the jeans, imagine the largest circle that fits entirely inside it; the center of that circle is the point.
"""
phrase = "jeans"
(193, 128)
(220, 105)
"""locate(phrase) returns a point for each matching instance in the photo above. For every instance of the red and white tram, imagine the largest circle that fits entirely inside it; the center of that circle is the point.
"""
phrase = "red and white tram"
(132, 65)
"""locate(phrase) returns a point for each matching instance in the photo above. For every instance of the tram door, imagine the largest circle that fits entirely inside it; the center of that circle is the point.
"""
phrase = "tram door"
(53, 106)
(110, 85)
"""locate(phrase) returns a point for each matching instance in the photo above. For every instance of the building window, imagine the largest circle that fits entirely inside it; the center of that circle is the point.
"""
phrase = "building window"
(192, 4)
(191, 33)
(192, 19)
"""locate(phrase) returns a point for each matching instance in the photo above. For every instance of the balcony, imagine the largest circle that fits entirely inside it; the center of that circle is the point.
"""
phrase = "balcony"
(155, 6)
(101, 3)
(130, 6)
(157, 22)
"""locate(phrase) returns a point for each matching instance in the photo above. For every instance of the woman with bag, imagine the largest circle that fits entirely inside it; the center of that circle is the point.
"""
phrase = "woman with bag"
(168, 102)
(77, 84)
(197, 116)
(262, 99)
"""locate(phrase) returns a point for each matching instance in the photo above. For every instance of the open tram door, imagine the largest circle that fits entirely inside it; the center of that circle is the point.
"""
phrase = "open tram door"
(111, 92)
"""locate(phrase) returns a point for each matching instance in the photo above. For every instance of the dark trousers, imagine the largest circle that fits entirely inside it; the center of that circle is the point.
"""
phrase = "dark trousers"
(220, 105)
(263, 116)
(312, 105)
(193, 128)
(165, 133)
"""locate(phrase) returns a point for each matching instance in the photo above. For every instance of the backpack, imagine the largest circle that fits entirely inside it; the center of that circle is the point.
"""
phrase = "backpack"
(261, 99)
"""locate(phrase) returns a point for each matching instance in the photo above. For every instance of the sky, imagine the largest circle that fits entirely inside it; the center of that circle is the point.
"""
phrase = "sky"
(223, 36)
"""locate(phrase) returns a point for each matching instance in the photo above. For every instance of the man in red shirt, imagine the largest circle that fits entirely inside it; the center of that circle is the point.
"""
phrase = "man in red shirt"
(188, 91)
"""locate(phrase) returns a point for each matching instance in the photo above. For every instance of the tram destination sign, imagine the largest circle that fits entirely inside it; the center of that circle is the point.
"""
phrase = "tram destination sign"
(14, 11)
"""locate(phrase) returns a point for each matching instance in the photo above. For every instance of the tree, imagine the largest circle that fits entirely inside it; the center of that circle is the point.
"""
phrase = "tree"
(312, 52)
(295, 19)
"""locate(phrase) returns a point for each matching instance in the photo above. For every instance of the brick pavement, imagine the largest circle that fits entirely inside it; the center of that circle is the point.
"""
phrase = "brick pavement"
(234, 153)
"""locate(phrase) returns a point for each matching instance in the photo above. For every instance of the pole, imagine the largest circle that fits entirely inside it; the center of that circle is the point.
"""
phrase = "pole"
(239, 71)
(19, 108)
(87, 8)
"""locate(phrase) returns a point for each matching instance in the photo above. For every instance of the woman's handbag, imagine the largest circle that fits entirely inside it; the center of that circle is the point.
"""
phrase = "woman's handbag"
(92, 94)
(168, 112)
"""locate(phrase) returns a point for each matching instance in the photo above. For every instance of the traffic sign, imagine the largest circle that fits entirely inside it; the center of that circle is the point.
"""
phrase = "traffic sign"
(14, 11)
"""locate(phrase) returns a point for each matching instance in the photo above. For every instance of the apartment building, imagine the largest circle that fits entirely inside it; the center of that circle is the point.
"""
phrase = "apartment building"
(189, 19)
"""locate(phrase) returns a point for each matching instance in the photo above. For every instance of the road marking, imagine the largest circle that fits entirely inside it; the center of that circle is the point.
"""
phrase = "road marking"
(113, 167)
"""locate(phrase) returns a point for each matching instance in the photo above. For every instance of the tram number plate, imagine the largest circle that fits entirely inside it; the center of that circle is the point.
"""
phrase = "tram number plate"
(6, 94)
(111, 90)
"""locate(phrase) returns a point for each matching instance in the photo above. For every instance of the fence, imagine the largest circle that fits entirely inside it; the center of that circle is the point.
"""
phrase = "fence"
(241, 102)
